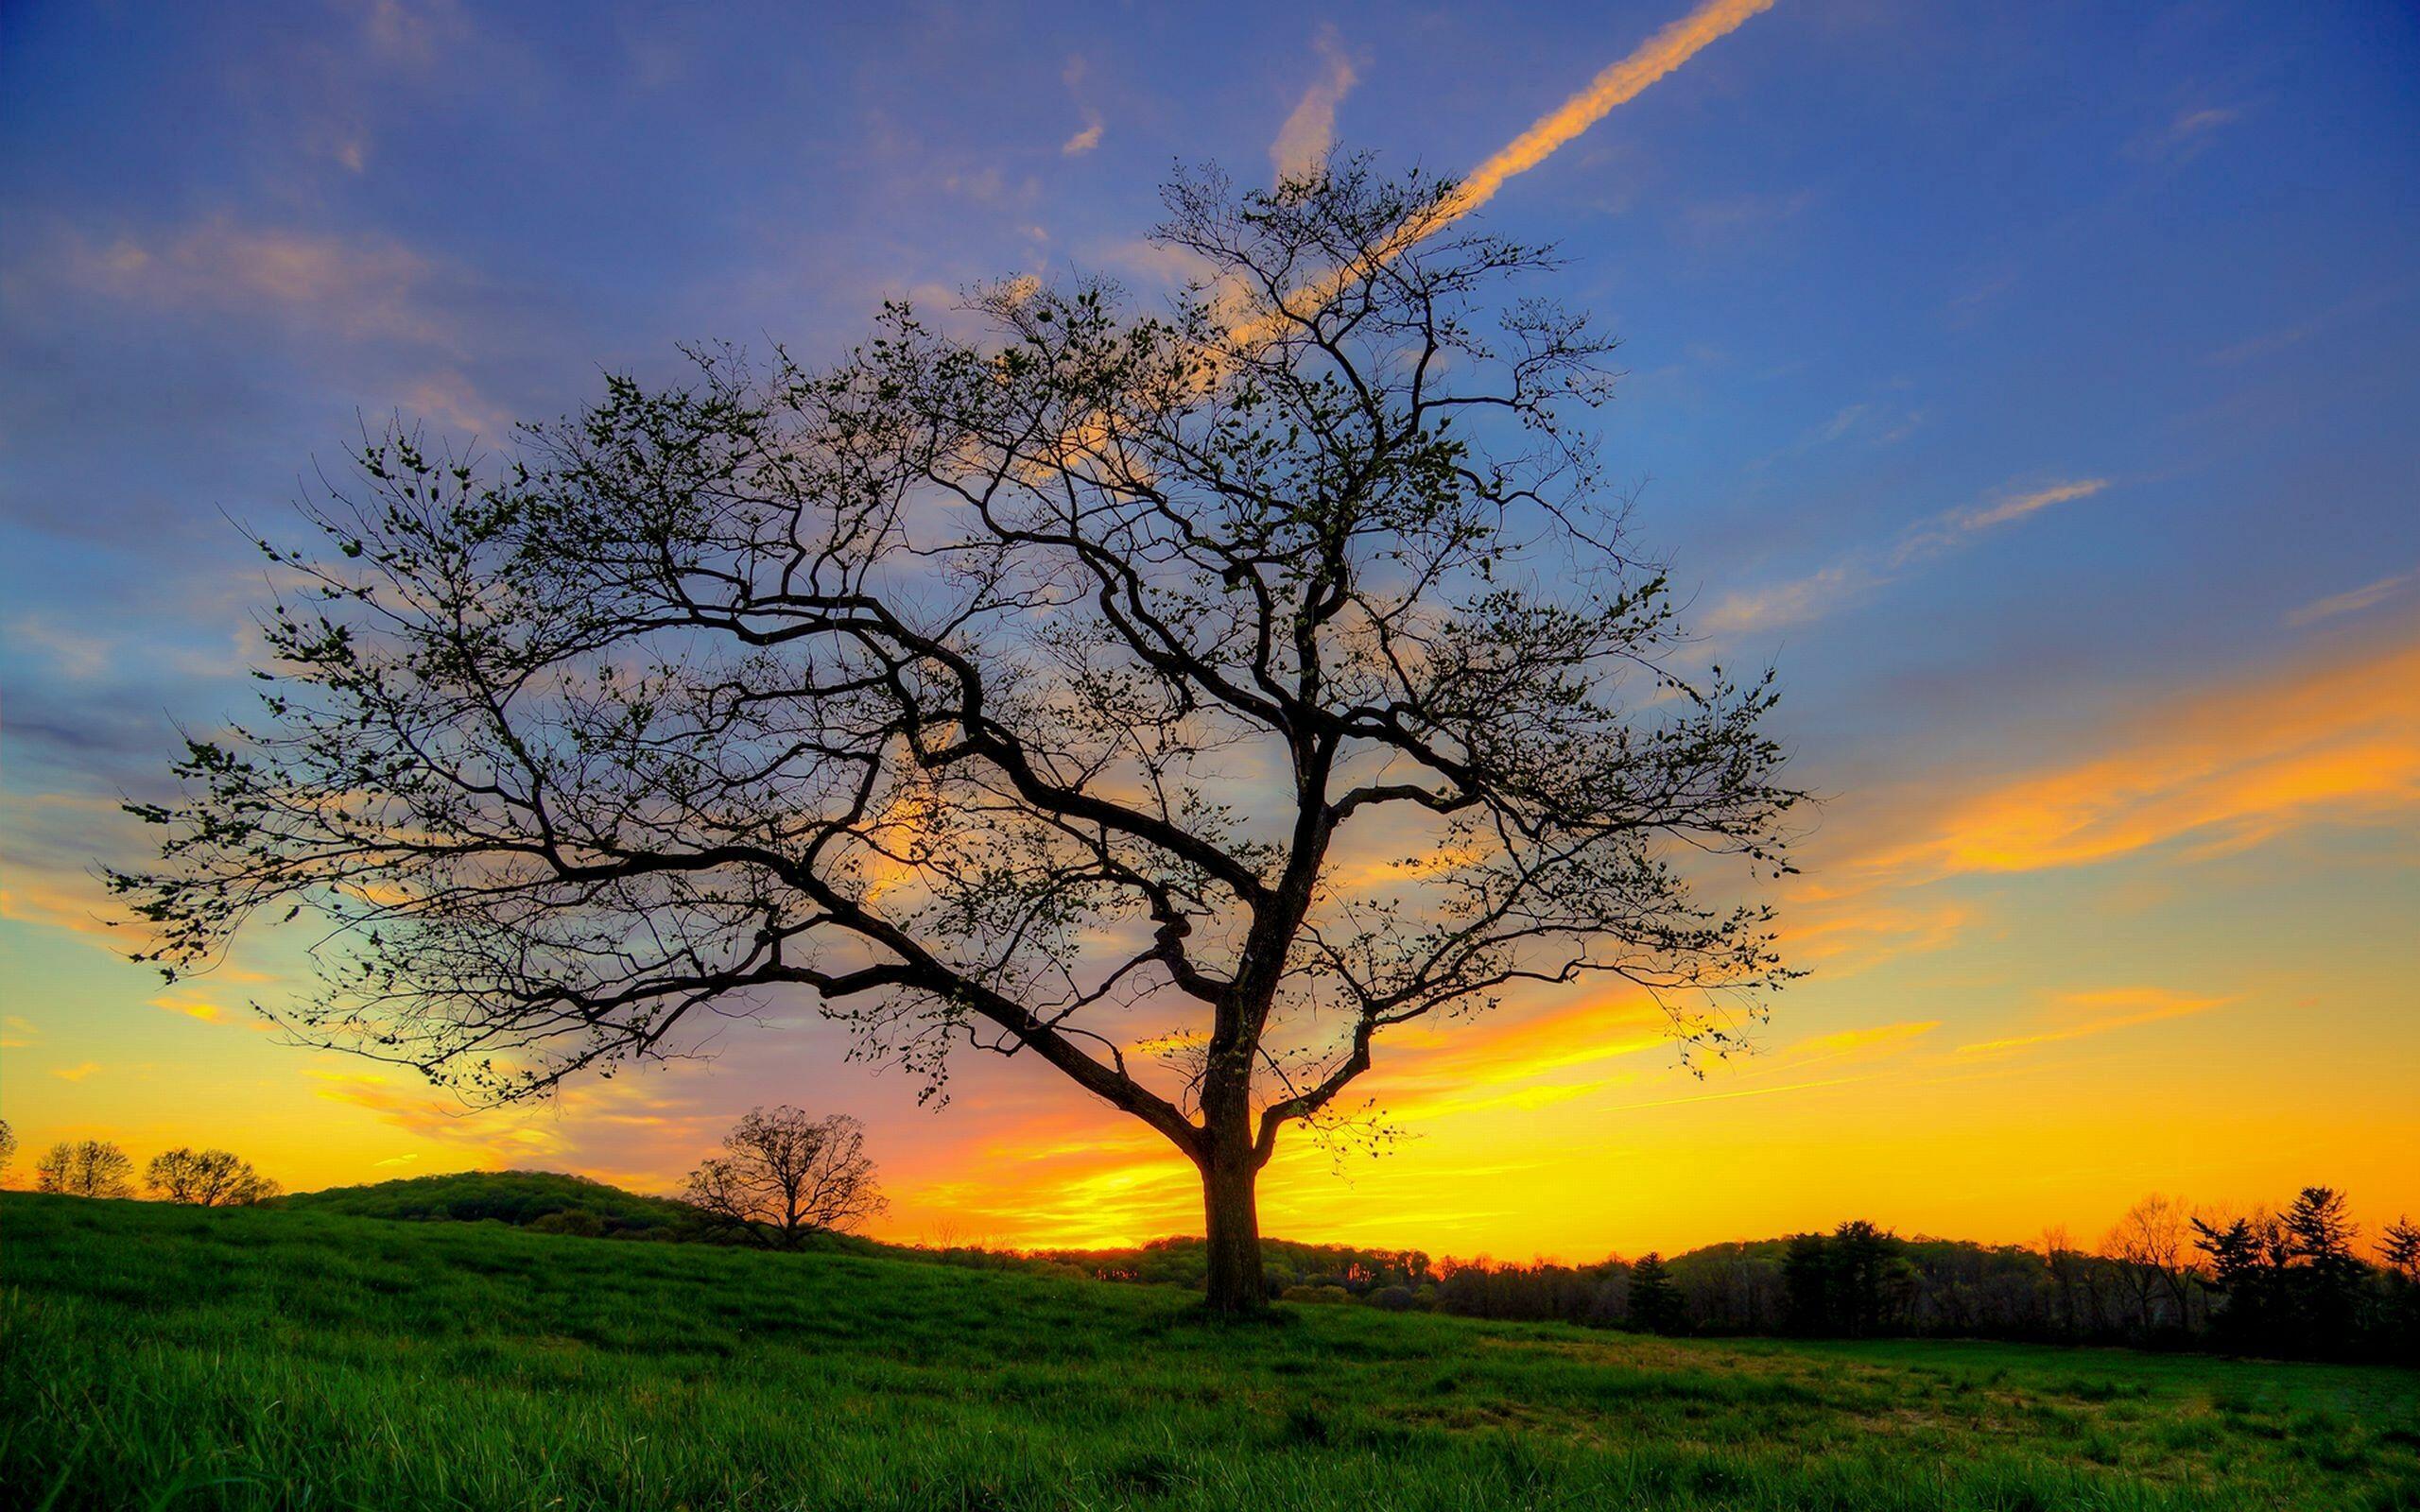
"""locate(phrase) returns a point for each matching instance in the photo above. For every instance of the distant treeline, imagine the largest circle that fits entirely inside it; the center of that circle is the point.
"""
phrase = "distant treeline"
(2288, 1283)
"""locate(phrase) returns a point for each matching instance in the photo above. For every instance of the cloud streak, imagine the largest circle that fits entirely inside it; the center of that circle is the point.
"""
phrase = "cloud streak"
(1797, 600)
(2351, 601)
(2098, 1013)
(1303, 140)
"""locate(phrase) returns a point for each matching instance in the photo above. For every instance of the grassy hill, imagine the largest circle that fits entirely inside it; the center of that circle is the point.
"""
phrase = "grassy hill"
(160, 1356)
(542, 1199)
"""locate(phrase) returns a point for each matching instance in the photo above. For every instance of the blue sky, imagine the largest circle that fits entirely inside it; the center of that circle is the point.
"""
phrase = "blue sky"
(2034, 382)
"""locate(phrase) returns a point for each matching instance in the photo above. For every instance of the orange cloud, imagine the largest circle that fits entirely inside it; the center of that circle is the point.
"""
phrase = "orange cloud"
(191, 1008)
(2228, 768)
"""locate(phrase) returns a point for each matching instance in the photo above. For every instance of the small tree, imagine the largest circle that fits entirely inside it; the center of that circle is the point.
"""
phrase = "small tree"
(85, 1168)
(2399, 1252)
(1654, 1299)
(208, 1179)
(2152, 1248)
(2399, 1247)
(7, 1148)
(1185, 700)
(788, 1175)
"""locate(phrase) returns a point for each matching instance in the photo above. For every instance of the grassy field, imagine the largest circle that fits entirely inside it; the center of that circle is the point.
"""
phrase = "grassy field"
(165, 1357)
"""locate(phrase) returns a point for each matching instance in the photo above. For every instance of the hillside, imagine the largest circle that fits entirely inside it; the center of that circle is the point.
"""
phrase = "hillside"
(293, 1357)
(544, 1199)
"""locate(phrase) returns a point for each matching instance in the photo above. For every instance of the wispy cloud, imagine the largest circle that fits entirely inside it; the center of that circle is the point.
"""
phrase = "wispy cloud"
(2270, 343)
(1309, 131)
(1878, 425)
(1740, 218)
(74, 655)
(1797, 600)
(1089, 136)
(415, 32)
(78, 1073)
(2351, 601)
(1967, 520)
(2082, 1015)
(2183, 137)
(358, 286)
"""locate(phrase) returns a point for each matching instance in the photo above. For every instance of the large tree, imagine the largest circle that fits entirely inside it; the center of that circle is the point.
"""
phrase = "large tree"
(1182, 698)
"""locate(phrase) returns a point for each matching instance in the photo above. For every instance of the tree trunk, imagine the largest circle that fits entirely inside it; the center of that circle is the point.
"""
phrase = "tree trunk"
(1229, 1207)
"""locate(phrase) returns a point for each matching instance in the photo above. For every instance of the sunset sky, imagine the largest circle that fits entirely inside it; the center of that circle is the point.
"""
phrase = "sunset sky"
(2038, 386)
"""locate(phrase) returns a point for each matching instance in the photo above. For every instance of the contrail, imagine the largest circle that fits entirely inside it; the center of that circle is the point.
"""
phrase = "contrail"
(1617, 85)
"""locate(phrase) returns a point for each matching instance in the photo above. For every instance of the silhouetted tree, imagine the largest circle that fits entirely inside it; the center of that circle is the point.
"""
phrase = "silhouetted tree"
(2399, 1247)
(1862, 1274)
(2246, 1258)
(1806, 1284)
(2151, 1244)
(1008, 691)
(1654, 1300)
(788, 1175)
(2399, 1251)
(1852, 1281)
(208, 1179)
(7, 1148)
(2323, 1276)
(85, 1168)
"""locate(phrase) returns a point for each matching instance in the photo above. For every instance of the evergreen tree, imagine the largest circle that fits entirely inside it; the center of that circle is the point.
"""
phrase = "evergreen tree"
(1864, 1276)
(2244, 1273)
(1654, 1299)
(1805, 1276)
(2323, 1276)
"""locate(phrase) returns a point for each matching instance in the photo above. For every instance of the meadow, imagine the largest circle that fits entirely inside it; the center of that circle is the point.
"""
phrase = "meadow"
(165, 1357)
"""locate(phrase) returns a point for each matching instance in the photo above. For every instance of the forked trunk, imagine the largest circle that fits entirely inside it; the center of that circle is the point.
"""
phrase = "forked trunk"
(1235, 1283)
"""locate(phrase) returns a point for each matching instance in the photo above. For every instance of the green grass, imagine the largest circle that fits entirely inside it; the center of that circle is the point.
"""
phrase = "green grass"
(516, 1197)
(164, 1357)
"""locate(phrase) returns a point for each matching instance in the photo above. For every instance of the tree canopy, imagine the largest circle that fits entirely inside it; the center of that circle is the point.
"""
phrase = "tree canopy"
(1182, 698)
